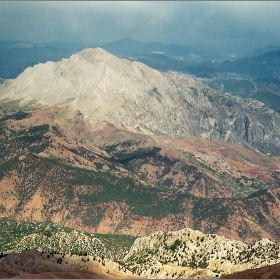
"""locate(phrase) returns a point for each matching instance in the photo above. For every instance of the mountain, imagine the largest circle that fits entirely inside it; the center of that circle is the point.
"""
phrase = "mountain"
(227, 73)
(105, 145)
(252, 75)
(105, 88)
(255, 75)
(115, 181)
(260, 63)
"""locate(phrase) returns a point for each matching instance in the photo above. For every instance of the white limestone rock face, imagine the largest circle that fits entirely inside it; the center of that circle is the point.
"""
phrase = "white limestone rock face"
(100, 85)
(150, 242)
(105, 88)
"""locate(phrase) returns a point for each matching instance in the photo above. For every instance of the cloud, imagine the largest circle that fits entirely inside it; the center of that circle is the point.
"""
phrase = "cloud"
(187, 23)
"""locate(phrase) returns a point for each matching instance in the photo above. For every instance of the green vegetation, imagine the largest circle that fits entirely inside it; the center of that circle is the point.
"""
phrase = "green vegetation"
(7, 166)
(124, 157)
(160, 208)
(13, 231)
(34, 134)
(20, 115)
(29, 139)
(202, 264)
(52, 237)
(93, 216)
(56, 131)
(54, 161)
(206, 208)
(99, 165)
(2, 208)
(168, 182)
(39, 129)
(175, 245)
(117, 244)
(143, 200)
(141, 257)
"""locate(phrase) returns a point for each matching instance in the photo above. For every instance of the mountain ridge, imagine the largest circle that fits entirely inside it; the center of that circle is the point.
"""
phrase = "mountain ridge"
(206, 255)
(185, 253)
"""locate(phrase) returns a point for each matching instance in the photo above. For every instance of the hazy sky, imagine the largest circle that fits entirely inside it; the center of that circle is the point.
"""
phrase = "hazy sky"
(229, 23)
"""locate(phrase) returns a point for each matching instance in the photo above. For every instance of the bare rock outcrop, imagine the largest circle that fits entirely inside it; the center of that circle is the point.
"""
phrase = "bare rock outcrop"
(189, 253)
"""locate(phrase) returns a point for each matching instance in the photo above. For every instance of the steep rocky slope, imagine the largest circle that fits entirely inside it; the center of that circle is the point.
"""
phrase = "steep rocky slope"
(132, 95)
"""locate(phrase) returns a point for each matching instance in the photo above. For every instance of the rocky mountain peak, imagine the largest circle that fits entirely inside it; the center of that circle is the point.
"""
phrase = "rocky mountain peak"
(99, 55)
(94, 52)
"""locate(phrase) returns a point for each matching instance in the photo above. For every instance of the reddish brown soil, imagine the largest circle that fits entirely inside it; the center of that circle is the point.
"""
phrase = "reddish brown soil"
(267, 272)
(248, 162)
(64, 275)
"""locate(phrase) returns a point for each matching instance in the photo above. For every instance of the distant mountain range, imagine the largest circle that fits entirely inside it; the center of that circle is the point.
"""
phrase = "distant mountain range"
(263, 62)
(16, 56)
(128, 46)
(255, 75)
